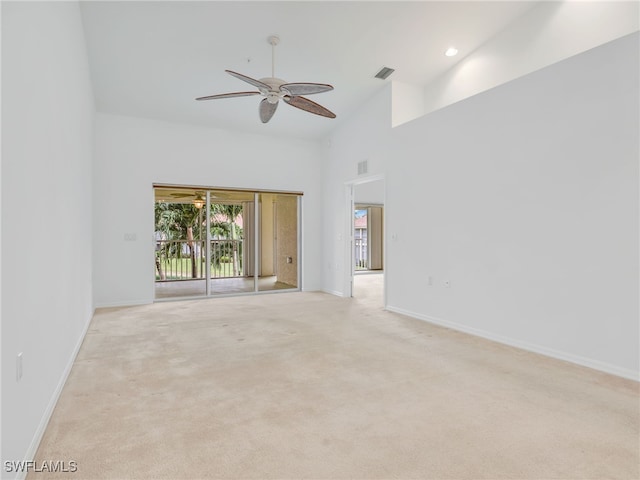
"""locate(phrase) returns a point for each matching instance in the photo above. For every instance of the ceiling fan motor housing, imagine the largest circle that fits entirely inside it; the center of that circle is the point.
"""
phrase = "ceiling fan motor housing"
(275, 89)
(274, 94)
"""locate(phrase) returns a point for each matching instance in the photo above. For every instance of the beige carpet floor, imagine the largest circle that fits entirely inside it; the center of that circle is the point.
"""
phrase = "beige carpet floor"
(308, 385)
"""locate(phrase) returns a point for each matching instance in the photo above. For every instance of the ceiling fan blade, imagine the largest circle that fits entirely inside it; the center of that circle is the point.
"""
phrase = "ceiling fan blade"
(305, 88)
(228, 95)
(267, 110)
(256, 83)
(309, 106)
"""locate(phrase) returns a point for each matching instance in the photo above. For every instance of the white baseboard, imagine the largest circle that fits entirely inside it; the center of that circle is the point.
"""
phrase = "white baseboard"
(129, 303)
(368, 272)
(333, 292)
(44, 421)
(549, 352)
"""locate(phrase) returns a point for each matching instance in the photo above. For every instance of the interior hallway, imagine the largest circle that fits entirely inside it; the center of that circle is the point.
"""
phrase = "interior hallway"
(368, 289)
(309, 385)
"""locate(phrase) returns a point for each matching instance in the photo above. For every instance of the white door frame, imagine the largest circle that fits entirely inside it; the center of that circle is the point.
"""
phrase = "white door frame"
(349, 255)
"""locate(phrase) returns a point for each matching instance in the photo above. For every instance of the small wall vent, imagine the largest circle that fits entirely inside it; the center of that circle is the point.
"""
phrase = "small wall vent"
(384, 73)
(363, 167)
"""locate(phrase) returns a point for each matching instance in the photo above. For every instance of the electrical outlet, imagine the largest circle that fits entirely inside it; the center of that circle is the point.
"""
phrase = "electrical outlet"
(129, 237)
(430, 281)
(19, 367)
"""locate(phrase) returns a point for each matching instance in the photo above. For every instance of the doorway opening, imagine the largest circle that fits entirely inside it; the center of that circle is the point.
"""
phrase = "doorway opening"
(212, 242)
(366, 280)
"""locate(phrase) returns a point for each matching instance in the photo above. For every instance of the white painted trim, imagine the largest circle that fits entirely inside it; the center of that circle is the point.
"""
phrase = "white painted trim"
(257, 241)
(131, 303)
(300, 252)
(207, 246)
(333, 292)
(548, 352)
(46, 416)
(365, 179)
(357, 273)
(349, 240)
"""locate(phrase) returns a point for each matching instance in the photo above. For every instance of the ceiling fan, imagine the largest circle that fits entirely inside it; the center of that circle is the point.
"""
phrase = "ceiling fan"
(187, 194)
(276, 89)
(197, 197)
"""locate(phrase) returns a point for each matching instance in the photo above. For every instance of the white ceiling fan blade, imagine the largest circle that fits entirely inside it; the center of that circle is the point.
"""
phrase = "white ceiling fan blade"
(267, 110)
(263, 87)
(305, 88)
(309, 106)
(229, 95)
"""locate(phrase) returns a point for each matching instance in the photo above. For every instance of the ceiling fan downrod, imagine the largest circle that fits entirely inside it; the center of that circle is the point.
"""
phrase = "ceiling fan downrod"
(273, 40)
(275, 89)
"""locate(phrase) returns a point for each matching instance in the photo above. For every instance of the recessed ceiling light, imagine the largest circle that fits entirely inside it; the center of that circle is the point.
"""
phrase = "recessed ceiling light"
(451, 51)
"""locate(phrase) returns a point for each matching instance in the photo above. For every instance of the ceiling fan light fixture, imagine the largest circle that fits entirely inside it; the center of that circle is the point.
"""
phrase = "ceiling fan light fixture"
(275, 89)
(273, 98)
(198, 202)
(384, 73)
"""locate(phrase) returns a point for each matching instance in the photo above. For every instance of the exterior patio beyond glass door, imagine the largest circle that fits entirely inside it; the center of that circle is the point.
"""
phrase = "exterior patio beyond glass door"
(231, 240)
(278, 249)
(215, 242)
(180, 243)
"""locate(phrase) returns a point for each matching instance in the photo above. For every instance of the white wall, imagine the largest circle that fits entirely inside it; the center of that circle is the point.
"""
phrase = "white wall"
(528, 201)
(47, 123)
(132, 154)
(408, 102)
(364, 136)
(548, 33)
(371, 193)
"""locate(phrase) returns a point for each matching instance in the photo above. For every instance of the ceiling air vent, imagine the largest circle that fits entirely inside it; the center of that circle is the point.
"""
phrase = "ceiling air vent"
(384, 73)
(363, 167)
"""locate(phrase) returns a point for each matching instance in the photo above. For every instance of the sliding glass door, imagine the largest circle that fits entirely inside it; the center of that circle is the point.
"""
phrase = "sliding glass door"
(230, 241)
(180, 243)
(279, 242)
(225, 242)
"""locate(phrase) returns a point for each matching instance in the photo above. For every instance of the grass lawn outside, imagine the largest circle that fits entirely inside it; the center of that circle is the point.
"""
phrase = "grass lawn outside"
(180, 269)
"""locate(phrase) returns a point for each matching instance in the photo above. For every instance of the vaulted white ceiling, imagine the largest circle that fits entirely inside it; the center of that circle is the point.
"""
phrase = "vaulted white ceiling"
(152, 58)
